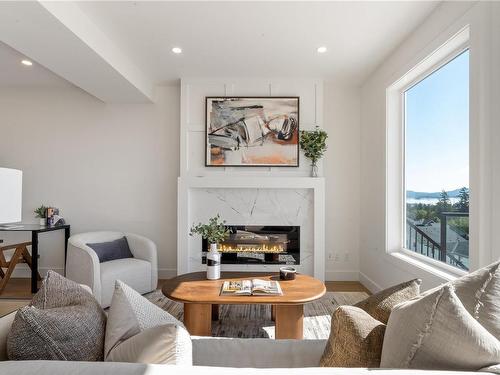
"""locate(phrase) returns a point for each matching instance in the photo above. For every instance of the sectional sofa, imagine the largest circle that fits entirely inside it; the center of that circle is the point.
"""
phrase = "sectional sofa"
(221, 356)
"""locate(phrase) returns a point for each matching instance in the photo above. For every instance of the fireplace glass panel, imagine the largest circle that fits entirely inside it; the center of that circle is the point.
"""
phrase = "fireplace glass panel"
(254, 244)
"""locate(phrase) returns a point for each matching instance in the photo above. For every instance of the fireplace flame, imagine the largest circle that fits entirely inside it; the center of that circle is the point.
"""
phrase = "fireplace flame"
(224, 248)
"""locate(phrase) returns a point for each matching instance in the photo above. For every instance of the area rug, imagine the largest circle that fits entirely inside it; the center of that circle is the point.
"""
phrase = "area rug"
(249, 321)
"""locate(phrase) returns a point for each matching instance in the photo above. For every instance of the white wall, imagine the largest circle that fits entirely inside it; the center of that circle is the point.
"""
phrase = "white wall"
(108, 167)
(494, 79)
(116, 166)
(377, 268)
(342, 116)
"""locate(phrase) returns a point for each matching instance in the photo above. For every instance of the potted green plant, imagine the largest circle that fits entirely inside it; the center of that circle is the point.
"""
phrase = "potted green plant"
(214, 232)
(41, 213)
(313, 143)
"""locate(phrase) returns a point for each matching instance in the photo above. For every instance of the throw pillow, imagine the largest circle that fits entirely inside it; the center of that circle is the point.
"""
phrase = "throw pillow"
(479, 292)
(112, 250)
(436, 332)
(134, 321)
(62, 322)
(154, 345)
(355, 339)
(380, 305)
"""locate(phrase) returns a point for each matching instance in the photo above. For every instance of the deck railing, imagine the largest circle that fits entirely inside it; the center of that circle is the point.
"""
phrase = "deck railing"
(420, 242)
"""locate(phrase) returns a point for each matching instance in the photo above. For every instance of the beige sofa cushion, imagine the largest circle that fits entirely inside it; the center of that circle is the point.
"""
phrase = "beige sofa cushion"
(479, 292)
(379, 305)
(437, 332)
(355, 339)
(62, 322)
(136, 328)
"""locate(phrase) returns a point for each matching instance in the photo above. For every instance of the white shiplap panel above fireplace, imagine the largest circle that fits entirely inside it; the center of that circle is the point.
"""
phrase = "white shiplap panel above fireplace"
(192, 134)
(287, 193)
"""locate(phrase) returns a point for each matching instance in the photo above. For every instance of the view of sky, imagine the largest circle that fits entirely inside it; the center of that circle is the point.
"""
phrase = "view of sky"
(437, 129)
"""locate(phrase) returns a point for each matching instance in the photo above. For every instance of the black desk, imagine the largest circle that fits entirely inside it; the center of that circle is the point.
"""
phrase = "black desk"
(35, 229)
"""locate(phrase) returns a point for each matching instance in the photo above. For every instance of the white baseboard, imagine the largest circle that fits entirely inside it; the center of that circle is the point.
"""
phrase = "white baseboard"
(342, 276)
(368, 283)
(167, 273)
(22, 272)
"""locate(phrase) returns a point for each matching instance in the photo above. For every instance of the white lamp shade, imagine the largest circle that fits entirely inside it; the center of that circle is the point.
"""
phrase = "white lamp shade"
(11, 195)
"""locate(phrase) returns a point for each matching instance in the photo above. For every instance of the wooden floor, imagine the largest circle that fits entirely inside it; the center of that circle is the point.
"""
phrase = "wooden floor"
(17, 293)
(345, 286)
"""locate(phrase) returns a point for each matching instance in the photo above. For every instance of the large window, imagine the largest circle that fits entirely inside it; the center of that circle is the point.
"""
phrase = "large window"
(436, 164)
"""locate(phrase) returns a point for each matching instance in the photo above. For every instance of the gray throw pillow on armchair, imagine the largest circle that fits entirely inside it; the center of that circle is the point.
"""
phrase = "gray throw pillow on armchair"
(63, 322)
(112, 250)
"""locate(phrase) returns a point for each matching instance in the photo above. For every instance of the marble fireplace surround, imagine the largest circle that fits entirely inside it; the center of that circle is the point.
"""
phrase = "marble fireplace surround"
(253, 200)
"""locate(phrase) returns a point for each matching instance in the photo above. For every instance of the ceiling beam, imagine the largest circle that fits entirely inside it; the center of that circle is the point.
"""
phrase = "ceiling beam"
(61, 37)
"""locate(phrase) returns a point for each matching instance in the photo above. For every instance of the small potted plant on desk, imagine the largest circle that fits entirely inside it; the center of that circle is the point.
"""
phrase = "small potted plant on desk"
(41, 213)
(214, 232)
(313, 143)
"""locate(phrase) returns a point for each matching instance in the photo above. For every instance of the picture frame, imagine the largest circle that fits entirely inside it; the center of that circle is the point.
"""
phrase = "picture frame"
(252, 131)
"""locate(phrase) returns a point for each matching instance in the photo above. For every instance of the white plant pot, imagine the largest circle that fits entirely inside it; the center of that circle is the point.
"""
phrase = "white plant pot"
(314, 170)
(213, 263)
(43, 221)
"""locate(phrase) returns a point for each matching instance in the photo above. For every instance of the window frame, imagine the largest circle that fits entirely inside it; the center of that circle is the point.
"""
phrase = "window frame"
(396, 150)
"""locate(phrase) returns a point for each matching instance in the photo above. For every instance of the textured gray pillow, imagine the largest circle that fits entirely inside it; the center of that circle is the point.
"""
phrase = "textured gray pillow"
(62, 322)
(112, 250)
(437, 332)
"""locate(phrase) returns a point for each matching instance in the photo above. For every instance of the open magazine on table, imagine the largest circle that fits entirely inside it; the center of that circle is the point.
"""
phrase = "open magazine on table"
(255, 287)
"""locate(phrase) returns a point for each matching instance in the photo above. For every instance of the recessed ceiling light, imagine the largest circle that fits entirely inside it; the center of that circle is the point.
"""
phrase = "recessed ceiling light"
(176, 50)
(321, 49)
(26, 62)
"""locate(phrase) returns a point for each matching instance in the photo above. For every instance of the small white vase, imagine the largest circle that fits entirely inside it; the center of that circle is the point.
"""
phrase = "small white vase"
(43, 221)
(213, 263)
(314, 170)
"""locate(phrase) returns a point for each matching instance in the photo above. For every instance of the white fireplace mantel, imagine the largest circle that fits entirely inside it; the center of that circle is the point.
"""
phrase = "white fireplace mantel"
(186, 185)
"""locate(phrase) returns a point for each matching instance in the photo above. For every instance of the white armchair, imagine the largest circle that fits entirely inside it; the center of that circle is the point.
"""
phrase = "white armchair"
(139, 272)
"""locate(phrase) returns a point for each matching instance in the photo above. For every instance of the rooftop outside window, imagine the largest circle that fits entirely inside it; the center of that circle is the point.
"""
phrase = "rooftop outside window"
(436, 164)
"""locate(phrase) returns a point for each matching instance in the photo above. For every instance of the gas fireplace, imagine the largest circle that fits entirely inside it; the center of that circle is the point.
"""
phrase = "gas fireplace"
(255, 244)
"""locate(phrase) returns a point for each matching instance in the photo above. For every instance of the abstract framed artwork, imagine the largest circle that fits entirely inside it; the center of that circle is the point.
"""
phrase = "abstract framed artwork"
(252, 131)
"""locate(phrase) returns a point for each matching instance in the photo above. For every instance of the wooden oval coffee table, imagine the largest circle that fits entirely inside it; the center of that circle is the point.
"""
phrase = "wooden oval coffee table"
(200, 296)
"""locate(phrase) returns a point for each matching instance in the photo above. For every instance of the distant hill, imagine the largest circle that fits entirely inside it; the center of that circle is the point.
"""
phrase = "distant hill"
(422, 195)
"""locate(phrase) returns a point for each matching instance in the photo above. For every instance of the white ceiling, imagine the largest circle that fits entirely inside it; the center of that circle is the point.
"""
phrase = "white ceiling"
(59, 36)
(258, 38)
(219, 39)
(13, 73)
